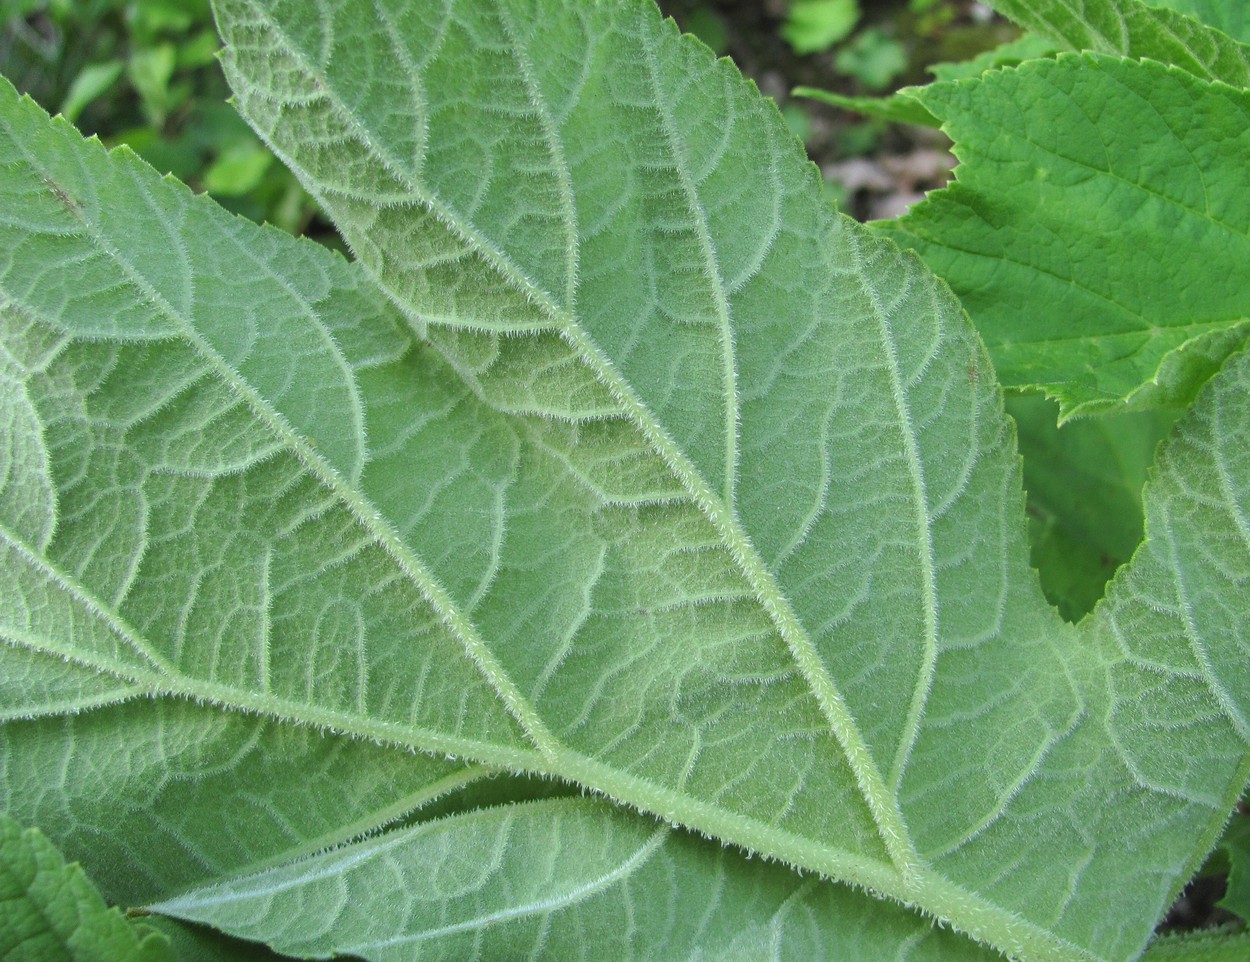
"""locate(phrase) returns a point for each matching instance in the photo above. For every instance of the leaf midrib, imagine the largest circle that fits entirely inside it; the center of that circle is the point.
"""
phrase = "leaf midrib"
(882, 803)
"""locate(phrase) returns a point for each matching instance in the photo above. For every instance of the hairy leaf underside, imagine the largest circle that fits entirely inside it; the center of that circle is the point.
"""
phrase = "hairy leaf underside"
(616, 456)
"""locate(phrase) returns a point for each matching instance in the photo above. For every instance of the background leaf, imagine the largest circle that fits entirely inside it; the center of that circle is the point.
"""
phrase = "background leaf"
(1227, 15)
(1131, 28)
(50, 910)
(1049, 171)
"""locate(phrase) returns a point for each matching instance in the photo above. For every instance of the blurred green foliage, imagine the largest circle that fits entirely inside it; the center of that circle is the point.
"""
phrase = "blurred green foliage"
(144, 73)
(873, 57)
(815, 25)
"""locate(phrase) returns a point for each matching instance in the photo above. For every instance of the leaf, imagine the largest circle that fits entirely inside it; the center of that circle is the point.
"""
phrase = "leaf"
(561, 879)
(50, 910)
(899, 107)
(1199, 947)
(1235, 844)
(1057, 157)
(1027, 46)
(902, 108)
(197, 943)
(681, 489)
(1131, 28)
(166, 795)
(815, 25)
(1228, 16)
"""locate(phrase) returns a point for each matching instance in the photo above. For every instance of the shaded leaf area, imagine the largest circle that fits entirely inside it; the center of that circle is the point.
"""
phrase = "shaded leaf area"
(50, 910)
(1212, 47)
(1084, 482)
(649, 473)
(1057, 157)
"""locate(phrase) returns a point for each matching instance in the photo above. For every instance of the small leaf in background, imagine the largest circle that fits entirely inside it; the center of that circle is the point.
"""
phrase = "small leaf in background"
(240, 168)
(92, 81)
(874, 58)
(815, 25)
(200, 50)
(50, 910)
(150, 70)
(151, 18)
(706, 24)
(901, 107)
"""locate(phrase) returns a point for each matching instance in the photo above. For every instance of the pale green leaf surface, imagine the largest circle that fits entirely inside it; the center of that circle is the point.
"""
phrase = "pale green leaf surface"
(248, 440)
(27, 496)
(562, 880)
(158, 794)
(33, 683)
(1131, 28)
(50, 910)
(803, 532)
(730, 529)
(1057, 157)
(520, 133)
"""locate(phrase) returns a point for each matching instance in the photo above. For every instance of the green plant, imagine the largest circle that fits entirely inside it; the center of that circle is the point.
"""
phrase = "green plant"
(616, 458)
(874, 58)
(812, 26)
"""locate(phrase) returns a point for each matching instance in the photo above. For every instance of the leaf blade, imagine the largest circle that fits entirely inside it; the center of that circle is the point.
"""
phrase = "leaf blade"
(1026, 217)
(532, 887)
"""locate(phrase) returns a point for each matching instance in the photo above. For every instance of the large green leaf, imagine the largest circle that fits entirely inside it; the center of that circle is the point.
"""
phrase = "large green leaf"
(1132, 28)
(686, 491)
(1096, 217)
